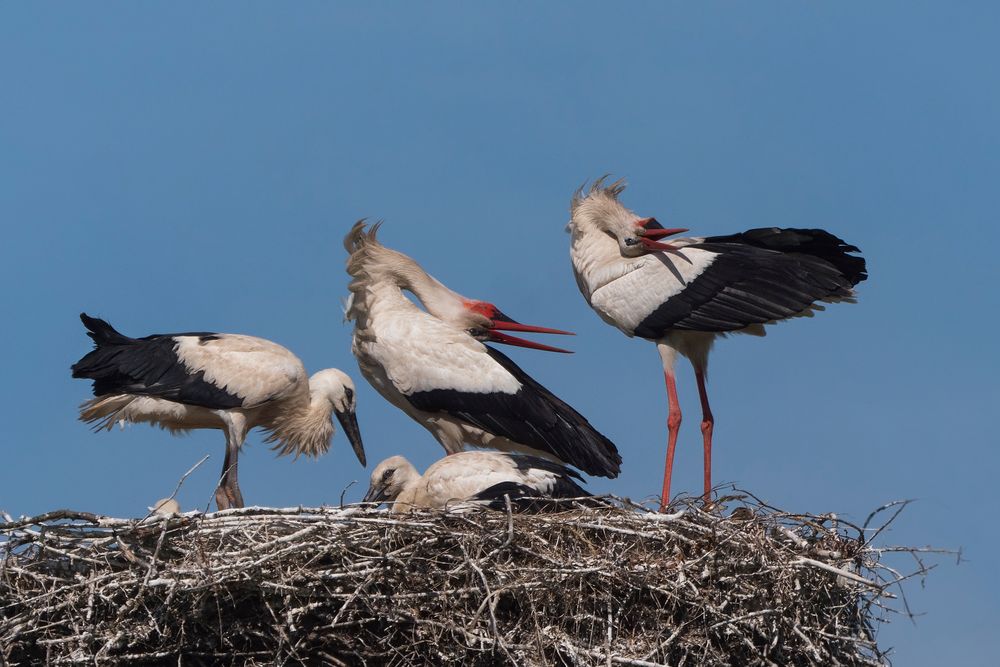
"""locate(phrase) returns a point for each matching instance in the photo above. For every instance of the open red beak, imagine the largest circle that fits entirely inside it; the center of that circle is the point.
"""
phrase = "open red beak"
(502, 322)
(648, 233)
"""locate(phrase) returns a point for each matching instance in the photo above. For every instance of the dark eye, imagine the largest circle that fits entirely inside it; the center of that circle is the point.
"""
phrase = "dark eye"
(350, 394)
(387, 475)
(631, 241)
(477, 332)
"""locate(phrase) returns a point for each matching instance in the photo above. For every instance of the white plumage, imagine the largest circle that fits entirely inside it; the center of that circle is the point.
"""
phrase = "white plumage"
(686, 293)
(434, 366)
(166, 507)
(223, 381)
(475, 478)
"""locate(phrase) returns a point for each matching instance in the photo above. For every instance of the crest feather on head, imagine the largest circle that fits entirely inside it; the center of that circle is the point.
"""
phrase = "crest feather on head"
(598, 189)
(361, 243)
(368, 263)
(359, 237)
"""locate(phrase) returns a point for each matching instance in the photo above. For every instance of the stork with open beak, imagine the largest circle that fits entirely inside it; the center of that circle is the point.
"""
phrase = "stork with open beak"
(433, 364)
(685, 293)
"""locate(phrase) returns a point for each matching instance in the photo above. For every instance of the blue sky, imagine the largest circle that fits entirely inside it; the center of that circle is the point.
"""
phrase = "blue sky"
(183, 166)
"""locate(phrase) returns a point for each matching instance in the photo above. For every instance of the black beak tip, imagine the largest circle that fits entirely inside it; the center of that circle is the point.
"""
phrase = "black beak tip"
(349, 422)
(374, 496)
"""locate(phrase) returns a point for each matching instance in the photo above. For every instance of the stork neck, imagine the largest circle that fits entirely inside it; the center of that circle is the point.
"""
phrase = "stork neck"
(439, 301)
(405, 500)
(597, 259)
(305, 430)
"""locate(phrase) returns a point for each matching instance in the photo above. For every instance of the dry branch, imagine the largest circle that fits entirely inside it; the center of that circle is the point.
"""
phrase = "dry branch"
(619, 585)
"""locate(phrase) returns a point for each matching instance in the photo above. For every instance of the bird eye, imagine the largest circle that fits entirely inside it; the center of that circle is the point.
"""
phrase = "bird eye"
(387, 475)
(631, 241)
(477, 332)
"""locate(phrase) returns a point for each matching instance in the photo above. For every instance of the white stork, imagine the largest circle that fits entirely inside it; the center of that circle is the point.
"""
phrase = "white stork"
(684, 294)
(211, 380)
(480, 478)
(433, 366)
(166, 507)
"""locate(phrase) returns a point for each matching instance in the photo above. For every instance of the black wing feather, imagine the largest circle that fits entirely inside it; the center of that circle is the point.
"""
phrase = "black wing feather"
(527, 498)
(759, 276)
(533, 416)
(523, 498)
(147, 367)
(815, 242)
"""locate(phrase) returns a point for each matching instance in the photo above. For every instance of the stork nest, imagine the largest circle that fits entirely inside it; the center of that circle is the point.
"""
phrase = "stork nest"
(741, 584)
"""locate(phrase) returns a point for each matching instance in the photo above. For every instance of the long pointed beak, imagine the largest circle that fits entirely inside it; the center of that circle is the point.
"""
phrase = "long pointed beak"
(646, 237)
(503, 323)
(660, 233)
(376, 494)
(497, 337)
(349, 422)
(511, 325)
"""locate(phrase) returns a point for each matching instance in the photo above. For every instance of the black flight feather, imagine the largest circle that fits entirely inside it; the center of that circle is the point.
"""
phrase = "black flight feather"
(759, 276)
(533, 416)
(147, 366)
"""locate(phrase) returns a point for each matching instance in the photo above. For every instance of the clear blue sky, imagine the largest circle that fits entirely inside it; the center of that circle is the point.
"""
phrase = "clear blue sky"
(181, 166)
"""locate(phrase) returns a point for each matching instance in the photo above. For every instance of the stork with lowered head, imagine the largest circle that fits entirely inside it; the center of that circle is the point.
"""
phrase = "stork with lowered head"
(220, 381)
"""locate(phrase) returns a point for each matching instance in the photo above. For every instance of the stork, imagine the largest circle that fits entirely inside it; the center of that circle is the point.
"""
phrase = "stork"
(480, 478)
(434, 366)
(684, 294)
(213, 380)
(165, 507)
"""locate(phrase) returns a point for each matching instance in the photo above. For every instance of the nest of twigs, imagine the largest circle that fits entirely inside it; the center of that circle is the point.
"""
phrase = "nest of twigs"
(741, 584)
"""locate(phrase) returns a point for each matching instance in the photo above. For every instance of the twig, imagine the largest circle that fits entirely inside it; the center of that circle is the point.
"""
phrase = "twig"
(597, 585)
(180, 482)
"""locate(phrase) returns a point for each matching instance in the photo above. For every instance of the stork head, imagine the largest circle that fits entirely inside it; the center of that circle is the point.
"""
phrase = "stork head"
(484, 322)
(389, 479)
(337, 388)
(600, 211)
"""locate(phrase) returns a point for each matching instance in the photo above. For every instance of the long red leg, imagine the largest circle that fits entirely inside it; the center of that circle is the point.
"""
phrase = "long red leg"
(673, 427)
(707, 425)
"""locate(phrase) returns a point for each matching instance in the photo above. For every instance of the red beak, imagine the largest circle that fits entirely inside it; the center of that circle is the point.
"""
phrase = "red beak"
(646, 237)
(502, 322)
(497, 337)
(660, 233)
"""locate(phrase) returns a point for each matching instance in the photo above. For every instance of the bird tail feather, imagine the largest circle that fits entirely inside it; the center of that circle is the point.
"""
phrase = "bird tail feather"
(104, 412)
(103, 333)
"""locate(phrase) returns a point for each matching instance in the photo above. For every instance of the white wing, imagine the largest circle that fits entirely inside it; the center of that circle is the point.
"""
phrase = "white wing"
(255, 369)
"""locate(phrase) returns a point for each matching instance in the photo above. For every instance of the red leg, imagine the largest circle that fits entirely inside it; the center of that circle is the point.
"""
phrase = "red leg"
(673, 427)
(707, 425)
